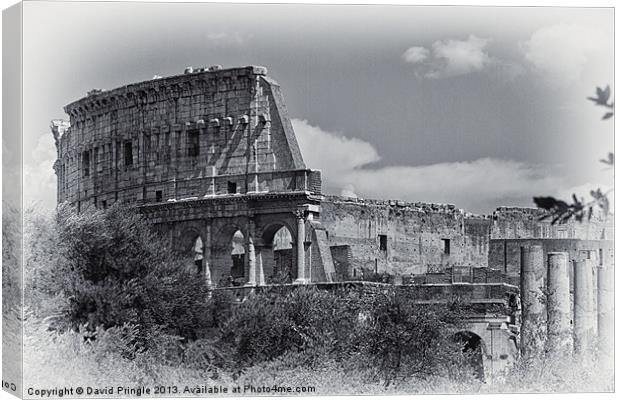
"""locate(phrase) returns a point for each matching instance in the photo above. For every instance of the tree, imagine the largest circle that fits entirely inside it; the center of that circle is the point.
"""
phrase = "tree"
(111, 268)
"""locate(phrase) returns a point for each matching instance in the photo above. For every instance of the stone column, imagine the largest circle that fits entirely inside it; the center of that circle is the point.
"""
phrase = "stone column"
(251, 262)
(260, 273)
(560, 338)
(255, 183)
(595, 268)
(583, 304)
(207, 254)
(533, 326)
(605, 305)
(301, 251)
(208, 272)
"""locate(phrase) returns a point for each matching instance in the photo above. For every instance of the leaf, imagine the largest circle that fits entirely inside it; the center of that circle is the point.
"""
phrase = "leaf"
(610, 159)
(547, 203)
(603, 95)
(608, 115)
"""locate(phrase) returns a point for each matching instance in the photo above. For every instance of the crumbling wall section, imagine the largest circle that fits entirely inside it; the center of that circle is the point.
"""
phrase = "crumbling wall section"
(476, 237)
(527, 223)
(505, 254)
(322, 269)
(403, 238)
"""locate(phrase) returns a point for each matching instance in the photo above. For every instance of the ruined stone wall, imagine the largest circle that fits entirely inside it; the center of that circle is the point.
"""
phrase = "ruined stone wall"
(343, 262)
(203, 133)
(505, 254)
(402, 238)
(415, 236)
(525, 223)
(477, 233)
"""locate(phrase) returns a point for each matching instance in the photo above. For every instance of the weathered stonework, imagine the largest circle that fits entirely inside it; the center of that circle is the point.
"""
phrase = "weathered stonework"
(210, 158)
(504, 254)
(427, 238)
(203, 155)
(212, 152)
(526, 223)
(198, 134)
(403, 238)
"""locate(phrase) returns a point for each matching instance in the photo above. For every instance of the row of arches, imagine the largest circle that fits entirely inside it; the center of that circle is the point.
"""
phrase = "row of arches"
(226, 261)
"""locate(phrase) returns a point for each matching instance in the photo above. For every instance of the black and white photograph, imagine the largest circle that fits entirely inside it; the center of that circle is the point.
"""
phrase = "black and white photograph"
(206, 199)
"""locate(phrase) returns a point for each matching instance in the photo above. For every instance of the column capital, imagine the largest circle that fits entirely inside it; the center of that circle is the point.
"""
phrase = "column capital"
(299, 214)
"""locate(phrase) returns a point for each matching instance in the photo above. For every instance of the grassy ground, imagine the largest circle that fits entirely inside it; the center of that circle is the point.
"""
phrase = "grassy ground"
(53, 360)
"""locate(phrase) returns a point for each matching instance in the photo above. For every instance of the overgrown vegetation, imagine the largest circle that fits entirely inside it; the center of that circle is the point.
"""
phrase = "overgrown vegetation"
(108, 268)
(110, 303)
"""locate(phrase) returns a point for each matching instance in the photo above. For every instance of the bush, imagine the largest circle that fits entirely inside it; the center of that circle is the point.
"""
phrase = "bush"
(11, 260)
(107, 268)
(304, 320)
(379, 332)
(403, 339)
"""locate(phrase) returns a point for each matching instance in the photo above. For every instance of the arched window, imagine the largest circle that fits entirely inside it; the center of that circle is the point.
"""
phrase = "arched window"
(198, 250)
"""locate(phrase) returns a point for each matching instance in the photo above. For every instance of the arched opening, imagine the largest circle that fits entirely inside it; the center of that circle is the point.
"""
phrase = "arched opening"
(472, 347)
(228, 257)
(198, 254)
(237, 255)
(278, 254)
(191, 247)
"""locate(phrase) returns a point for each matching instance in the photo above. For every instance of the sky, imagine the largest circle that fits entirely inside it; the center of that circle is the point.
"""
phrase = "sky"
(479, 107)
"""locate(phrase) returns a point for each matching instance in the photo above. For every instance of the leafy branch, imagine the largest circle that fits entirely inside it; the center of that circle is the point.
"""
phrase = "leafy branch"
(562, 211)
(579, 209)
(602, 99)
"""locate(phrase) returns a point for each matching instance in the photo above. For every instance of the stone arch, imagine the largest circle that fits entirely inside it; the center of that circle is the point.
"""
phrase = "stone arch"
(279, 263)
(474, 348)
(223, 262)
(268, 232)
(191, 244)
(186, 239)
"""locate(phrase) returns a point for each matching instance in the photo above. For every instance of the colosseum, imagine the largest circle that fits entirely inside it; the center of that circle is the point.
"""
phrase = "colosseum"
(210, 158)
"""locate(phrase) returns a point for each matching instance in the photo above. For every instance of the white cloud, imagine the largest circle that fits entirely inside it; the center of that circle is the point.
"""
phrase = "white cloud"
(332, 151)
(450, 57)
(459, 57)
(562, 51)
(416, 54)
(348, 191)
(478, 186)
